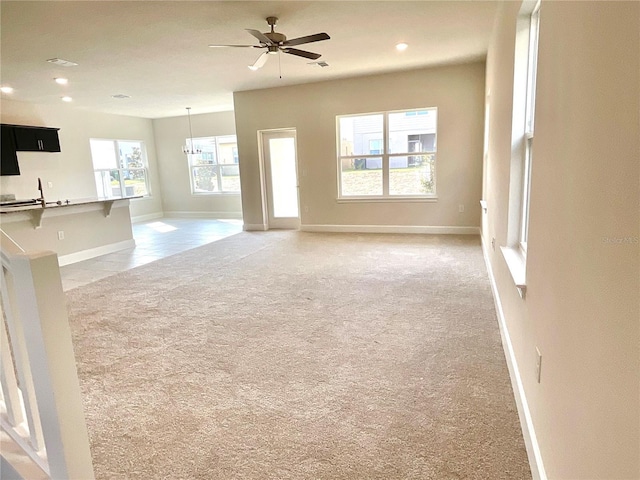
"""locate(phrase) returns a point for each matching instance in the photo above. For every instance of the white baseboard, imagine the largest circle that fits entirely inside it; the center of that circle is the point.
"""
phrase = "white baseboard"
(526, 422)
(185, 214)
(146, 218)
(254, 227)
(95, 252)
(391, 229)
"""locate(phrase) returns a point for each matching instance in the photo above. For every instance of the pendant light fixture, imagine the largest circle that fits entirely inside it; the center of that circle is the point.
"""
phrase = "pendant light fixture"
(190, 149)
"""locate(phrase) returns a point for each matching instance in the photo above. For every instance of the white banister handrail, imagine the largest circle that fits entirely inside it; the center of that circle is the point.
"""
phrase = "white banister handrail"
(43, 399)
(8, 247)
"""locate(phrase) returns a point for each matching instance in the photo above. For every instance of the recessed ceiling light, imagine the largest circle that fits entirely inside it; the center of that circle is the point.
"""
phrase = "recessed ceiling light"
(6, 89)
(61, 62)
(401, 47)
(66, 99)
(61, 81)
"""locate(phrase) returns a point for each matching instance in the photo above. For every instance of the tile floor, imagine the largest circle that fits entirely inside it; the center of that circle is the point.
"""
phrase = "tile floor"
(155, 239)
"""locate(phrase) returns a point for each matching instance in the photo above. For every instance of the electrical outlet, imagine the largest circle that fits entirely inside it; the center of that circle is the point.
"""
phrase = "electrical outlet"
(493, 244)
(50, 184)
(61, 235)
(538, 364)
(306, 209)
(460, 208)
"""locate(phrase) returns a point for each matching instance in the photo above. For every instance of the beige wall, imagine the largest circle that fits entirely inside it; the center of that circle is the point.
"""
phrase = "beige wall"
(171, 134)
(71, 170)
(457, 91)
(583, 272)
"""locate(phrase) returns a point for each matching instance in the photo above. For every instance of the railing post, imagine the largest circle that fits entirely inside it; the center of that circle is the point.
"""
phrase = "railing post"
(41, 303)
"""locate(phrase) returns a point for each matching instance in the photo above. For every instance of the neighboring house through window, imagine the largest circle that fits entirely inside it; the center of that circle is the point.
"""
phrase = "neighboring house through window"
(388, 154)
(215, 169)
(375, 147)
(120, 167)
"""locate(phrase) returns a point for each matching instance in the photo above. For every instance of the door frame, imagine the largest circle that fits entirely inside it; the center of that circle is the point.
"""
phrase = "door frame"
(263, 139)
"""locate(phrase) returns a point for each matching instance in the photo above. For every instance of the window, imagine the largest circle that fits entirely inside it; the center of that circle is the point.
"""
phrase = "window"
(522, 131)
(532, 65)
(215, 170)
(120, 167)
(389, 154)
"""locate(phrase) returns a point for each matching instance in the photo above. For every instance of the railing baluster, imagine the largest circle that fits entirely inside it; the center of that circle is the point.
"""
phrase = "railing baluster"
(10, 395)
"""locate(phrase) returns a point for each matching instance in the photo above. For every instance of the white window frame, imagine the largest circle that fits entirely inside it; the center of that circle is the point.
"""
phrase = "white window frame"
(522, 133)
(217, 166)
(385, 155)
(532, 70)
(144, 168)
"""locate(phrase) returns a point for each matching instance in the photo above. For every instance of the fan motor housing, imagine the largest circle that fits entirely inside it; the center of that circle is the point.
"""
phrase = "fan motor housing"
(275, 37)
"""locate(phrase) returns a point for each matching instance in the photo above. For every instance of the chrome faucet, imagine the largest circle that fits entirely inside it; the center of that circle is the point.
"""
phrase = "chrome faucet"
(41, 199)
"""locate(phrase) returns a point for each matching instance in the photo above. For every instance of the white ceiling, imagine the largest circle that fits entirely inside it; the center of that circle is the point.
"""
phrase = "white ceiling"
(157, 51)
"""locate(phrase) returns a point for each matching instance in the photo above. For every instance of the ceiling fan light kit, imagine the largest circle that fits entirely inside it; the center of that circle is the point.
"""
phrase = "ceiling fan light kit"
(275, 42)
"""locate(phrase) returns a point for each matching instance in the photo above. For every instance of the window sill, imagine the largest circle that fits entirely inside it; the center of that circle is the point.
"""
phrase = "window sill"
(517, 264)
(206, 194)
(394, 199)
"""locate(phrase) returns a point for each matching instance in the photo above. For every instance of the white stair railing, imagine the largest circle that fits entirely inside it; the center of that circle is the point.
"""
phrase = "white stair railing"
(40, 400)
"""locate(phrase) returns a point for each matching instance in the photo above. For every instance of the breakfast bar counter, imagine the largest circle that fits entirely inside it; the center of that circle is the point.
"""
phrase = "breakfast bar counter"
(76, 230)
(36, 211)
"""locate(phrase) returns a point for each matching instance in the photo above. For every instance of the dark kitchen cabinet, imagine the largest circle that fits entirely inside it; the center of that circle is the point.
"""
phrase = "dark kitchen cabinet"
(36, 139)
(9, 160)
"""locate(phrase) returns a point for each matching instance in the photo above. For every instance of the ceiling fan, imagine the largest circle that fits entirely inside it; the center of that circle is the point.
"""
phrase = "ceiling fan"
(277, 42)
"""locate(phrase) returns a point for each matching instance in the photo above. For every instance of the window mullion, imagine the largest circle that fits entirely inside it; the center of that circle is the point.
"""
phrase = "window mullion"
(385, 154)
(218, 168)
(116, 149)
(218, 178)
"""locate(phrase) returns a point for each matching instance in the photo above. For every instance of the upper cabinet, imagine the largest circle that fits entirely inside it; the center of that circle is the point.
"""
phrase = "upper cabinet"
(9, 163)
(36, 139)
(22, 138)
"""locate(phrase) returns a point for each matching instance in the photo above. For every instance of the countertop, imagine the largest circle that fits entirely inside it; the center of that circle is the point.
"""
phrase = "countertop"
(62, 203)
(35, 212)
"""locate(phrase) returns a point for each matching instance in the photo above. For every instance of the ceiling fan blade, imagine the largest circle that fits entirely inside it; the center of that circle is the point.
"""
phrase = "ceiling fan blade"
(236, 46)
(308, 39)
(302, 53)
(262, 38)
(260, 61)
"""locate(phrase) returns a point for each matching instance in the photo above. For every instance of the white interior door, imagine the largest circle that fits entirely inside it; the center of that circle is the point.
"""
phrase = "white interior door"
(281, 171)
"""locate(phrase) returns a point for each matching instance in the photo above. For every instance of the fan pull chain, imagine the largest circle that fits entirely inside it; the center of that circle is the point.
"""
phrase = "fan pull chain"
(280, 64)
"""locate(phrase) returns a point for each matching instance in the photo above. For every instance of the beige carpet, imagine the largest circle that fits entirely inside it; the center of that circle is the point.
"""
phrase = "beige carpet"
(286, 355)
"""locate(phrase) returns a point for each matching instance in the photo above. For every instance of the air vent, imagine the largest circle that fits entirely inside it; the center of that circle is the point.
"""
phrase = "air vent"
(61, 62)
(120, 96)
(319, 64)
